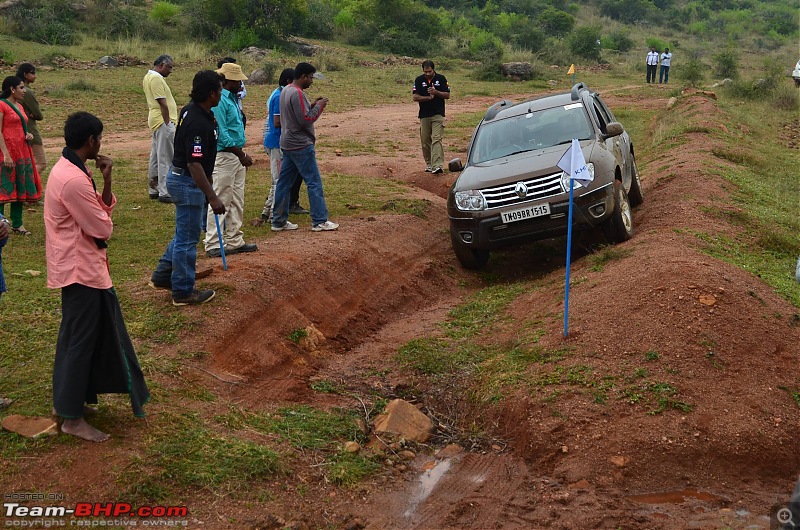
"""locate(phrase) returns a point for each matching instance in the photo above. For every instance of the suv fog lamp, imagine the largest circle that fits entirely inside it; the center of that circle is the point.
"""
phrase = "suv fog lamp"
(565, 178)
(466, 237)
(470, 200)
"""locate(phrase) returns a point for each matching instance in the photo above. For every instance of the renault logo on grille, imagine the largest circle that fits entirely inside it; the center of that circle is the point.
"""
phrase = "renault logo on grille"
(521, 189)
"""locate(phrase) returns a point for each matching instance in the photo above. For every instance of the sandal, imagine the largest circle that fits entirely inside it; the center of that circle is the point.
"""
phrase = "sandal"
(21, 231)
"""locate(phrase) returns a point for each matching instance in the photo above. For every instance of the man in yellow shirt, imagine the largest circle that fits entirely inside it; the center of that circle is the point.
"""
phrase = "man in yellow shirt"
(162, 117)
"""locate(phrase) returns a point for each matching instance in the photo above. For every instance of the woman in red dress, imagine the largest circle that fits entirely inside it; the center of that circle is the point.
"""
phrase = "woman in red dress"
(19, 179)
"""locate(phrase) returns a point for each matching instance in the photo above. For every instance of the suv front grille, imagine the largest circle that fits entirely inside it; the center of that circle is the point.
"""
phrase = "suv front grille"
(538, 188)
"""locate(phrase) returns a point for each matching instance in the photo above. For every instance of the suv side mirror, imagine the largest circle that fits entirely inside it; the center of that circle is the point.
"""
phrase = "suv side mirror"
(455, 165)
(614, 128)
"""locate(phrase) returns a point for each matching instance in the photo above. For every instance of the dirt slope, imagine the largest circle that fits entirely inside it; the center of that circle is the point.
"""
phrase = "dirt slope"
(722, 338)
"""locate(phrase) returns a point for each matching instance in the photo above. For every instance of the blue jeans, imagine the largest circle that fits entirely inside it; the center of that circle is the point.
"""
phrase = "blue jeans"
(663, 74)
(299, 163)
(177, 265)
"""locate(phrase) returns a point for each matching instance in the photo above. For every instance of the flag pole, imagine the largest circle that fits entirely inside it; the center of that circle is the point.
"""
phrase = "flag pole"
(569, 258)
(222, 244)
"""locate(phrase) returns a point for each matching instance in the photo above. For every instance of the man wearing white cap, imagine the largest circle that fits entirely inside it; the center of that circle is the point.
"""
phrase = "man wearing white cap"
(229, 169)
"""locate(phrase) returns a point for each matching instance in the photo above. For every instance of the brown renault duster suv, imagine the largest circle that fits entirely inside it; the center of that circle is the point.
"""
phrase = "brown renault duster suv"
(511, 191)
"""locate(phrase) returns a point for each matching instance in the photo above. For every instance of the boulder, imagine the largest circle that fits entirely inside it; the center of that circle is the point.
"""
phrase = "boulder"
(107, 60)
(516, 69)
(403, 419)
(258, 77)
(30, 427)
(256, 54)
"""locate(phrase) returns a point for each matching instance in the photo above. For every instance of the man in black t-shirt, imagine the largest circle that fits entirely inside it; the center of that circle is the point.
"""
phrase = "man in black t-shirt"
(189, 185)
(430, 91)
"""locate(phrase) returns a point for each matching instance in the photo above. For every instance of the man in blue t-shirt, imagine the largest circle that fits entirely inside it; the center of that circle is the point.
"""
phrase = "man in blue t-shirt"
(272, 139)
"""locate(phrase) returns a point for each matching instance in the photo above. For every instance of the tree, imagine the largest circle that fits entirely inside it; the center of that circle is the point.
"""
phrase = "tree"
(555, 22)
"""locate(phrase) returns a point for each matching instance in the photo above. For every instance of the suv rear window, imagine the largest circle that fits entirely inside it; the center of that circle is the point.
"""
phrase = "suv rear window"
(526, 132)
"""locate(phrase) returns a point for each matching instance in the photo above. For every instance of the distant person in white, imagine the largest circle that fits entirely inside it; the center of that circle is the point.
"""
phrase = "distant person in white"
(652, 64)
(663, 74)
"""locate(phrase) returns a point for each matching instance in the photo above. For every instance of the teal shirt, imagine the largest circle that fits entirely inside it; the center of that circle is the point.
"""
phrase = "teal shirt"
(229, 118)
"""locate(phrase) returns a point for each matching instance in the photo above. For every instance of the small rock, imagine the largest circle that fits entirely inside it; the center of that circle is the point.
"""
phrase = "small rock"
(582, 484)
(618, 461)
(5, 403)
(401, 468)
(407, 455)
(352, 447)
(450, 451)
(564, 449)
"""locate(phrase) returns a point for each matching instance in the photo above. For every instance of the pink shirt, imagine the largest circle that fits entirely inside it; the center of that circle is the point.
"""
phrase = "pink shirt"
(75, 214)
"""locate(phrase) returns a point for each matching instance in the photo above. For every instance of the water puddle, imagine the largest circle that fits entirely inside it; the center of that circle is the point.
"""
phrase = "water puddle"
(674, 497)
(427, 482)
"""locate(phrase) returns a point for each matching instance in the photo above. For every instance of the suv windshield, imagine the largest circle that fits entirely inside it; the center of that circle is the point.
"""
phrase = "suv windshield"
(527, 132)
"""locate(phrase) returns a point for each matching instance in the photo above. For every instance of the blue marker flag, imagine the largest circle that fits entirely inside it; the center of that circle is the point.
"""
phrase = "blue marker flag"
(221, 244)
(574, 164)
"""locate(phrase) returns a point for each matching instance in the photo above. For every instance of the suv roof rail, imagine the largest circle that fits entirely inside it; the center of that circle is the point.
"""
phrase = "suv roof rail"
(492, 111)
(576, 90)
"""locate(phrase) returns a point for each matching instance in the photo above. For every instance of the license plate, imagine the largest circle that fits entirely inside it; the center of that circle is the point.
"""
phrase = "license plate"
(526, 213)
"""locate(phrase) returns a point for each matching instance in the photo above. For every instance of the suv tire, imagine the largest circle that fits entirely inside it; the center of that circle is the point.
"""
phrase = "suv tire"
(635, 196)
(469, 258)
(619, 227)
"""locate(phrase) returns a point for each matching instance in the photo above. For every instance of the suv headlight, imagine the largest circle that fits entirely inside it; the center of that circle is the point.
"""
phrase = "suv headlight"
(565, 177)
(470, 200)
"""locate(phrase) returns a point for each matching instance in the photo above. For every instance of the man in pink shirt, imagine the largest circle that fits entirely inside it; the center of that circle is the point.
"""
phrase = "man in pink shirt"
(94, 353)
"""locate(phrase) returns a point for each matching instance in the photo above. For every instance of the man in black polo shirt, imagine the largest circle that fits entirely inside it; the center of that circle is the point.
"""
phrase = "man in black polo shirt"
(430, 91)
(188, 183)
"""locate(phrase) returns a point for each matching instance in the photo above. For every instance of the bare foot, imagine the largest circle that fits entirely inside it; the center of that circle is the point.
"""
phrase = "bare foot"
(79, 428)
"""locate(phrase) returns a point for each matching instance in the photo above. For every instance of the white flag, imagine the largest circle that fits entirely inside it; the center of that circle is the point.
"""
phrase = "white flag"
(573, 163)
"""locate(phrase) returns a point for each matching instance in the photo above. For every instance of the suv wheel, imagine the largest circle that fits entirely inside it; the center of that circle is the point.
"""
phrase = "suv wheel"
(635, 196)
(619, 227)
(469, 258)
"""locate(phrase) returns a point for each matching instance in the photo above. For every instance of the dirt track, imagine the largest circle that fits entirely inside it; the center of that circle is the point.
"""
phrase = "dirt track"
(379, 282)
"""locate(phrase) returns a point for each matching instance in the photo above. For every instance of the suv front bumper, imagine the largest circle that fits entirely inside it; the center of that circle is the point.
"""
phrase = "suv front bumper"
(489, 232)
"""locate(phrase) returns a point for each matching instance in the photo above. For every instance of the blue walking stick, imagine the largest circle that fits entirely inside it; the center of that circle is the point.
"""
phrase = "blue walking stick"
(221, 244)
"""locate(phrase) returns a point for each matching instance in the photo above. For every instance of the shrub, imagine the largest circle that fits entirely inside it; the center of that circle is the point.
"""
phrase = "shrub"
(50, 22)
(619, 40)
(693, 71)
(271, 68)
(786, 97)
(165, 13)
(726, 64)
(658, 44)
(585, 42)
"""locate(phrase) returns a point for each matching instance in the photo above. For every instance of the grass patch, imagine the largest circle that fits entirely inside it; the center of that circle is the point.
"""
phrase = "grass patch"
(296, 335)
(794, 393)
(193, 455)
(606, 254)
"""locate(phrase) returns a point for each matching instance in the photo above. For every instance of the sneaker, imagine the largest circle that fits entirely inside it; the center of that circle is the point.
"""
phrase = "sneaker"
(287, 226)
(437, 170)
(247, 247)
(195, 298)
(165, 199)
(428, 169)
(214, 253)
(154, 196)
(327, 226)
(297, 209)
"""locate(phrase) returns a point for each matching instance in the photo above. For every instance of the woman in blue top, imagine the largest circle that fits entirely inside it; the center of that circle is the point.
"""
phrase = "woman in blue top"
(272, 139)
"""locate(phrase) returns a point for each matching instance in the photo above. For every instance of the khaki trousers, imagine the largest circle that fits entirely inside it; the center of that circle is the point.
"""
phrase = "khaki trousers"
(39, 158)
(229, 175)
(431, 132)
